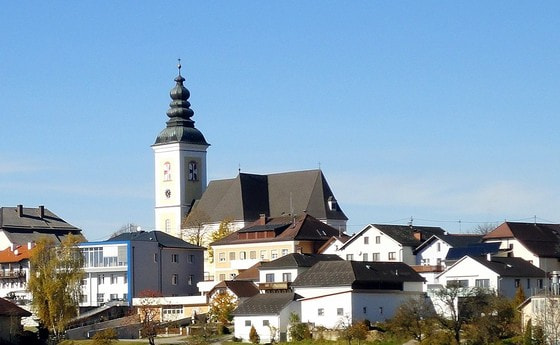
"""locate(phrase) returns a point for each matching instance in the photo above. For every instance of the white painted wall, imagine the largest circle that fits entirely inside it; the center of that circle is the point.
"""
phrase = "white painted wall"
(334, 310)
(280, 322)
(471, 270)
(364, 245)
(433, 253)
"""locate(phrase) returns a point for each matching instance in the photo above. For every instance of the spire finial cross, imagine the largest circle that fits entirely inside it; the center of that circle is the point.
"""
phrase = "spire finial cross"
(179, 65)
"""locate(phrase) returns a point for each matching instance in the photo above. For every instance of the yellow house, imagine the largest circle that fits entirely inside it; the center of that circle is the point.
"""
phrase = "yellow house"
(268, 239)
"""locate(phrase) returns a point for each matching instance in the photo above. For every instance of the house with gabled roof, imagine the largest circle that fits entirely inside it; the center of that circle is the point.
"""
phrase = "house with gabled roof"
(20, 225)
(380, 242)
(537, 243)
(433, 251)
(277, 275)
(268, 313)
(268, 239)
(349, 291)
(504, 275)
(10, 321)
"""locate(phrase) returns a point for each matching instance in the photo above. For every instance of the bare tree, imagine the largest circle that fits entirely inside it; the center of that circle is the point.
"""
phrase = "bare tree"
(547, 317)
(148, 311)
(484, 228)
(456, 305)
(130, 227)
(194, 229)
(415, 317)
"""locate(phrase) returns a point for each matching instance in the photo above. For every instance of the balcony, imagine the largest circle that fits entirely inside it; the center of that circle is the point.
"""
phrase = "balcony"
(12, 274)
(275, 286)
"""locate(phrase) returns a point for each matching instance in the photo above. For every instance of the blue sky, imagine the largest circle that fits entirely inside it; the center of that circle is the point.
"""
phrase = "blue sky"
(440, 111)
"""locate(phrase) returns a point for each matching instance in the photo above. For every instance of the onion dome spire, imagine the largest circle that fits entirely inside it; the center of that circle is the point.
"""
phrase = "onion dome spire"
(180, 108)
(180, 127)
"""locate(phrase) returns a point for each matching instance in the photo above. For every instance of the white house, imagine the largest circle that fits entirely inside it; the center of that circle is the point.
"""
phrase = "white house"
(268, 313)
(347, 291)
(501, 274)
(537, 243)
(377, 242)
(433, 251)
(14, 272)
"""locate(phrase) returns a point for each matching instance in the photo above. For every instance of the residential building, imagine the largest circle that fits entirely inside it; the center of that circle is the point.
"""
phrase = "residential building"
(379, 242)
(10, 321)
(126, 265)
(14, 272)
(268, 313)
(268, 239)
(173, 308)
(504, 275)
(277, 275)
(348, 291)
(433, 251)
(537, 243)
(20, 225)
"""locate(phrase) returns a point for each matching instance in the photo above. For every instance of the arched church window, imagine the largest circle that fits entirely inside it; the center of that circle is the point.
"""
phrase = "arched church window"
(167, 225)
(193, 171)
(167, 171)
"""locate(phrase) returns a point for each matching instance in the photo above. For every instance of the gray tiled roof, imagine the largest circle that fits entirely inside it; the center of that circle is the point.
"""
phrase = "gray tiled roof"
(356, 274)
(403, 234)
(265, 304)
(160, 237)
(30, 225)
(511, 267)
(249, 195)
(293, 260)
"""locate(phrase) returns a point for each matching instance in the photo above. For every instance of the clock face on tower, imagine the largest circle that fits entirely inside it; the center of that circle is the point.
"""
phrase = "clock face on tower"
(167, 193)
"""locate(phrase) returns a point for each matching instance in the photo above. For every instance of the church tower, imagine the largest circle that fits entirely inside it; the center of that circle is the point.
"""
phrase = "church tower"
(180, 162)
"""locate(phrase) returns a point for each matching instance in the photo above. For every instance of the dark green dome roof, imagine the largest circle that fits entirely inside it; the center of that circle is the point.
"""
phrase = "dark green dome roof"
(180, 128)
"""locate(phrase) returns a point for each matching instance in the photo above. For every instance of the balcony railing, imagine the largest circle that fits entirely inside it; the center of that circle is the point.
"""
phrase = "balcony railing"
(274, 286)
(12, 274)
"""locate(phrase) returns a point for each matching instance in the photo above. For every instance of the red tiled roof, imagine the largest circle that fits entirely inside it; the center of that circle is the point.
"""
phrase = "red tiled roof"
(20, 253)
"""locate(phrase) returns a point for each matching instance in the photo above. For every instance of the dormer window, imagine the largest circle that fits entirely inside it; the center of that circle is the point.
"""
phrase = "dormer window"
(193, 171)
(331, 201)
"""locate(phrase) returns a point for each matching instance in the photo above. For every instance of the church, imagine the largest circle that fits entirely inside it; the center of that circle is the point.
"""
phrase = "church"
(181, 182)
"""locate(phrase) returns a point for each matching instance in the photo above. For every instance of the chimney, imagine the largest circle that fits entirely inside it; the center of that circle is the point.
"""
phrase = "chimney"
(13, 246)
(20, 210)
(16, 252)
(488, 256)
(41, 211)
(30, 245)
(417, 235)
(262, 219)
